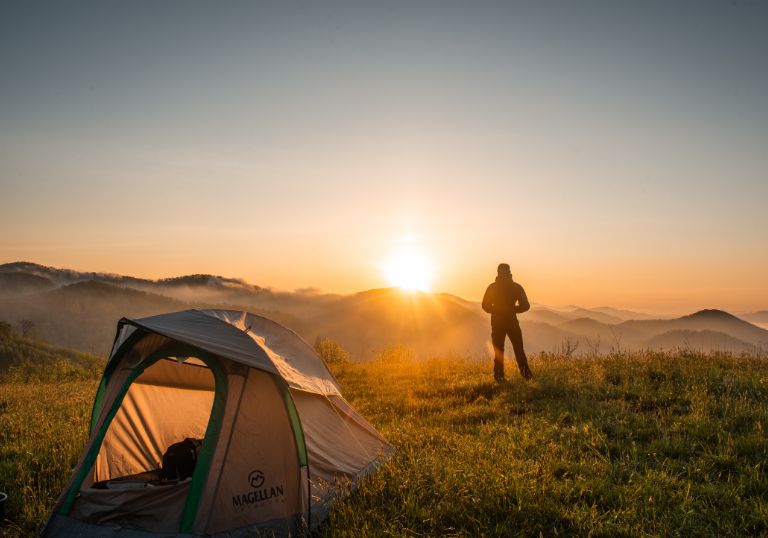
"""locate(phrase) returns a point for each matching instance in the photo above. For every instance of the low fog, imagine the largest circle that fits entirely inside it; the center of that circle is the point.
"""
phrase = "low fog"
(80, 311)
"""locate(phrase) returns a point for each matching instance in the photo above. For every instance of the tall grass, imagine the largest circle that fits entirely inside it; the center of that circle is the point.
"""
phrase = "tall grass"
(643, 444)
(43, 429)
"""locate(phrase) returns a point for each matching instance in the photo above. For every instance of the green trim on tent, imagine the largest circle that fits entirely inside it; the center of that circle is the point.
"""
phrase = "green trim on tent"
(97, 402)
(90, 457)
(130, 341)
(204, 459)
(298, 434)
(209, 441)
(109, 369)
(298, 431)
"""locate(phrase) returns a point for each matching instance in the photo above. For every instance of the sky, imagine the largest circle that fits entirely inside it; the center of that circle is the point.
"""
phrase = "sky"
(613, 153)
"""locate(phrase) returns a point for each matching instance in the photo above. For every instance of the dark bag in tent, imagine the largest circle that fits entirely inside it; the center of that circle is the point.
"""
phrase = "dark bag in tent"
(278, 435)
(180, 459)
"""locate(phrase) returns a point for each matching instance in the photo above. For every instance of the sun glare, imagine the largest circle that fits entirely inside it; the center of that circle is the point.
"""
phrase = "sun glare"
(410, 269)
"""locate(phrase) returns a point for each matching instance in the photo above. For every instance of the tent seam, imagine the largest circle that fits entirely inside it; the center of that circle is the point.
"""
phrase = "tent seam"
(229, 440)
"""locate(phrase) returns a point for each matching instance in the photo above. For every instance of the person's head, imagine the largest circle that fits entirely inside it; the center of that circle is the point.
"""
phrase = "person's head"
(503, 270)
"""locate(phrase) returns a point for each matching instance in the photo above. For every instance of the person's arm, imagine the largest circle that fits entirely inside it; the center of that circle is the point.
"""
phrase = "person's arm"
(523, 304)
(488, 300)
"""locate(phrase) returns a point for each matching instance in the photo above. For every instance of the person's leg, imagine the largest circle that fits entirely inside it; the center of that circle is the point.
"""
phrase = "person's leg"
(516, 337)
(498, 335)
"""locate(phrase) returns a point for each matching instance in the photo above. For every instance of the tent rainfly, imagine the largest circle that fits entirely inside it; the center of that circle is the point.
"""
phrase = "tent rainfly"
(264, 434)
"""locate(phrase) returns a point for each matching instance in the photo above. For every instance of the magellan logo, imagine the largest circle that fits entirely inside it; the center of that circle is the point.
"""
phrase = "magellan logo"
(256, 479)
(259, 492)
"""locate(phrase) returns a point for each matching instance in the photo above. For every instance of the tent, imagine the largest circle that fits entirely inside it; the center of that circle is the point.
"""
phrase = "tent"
(276, 442)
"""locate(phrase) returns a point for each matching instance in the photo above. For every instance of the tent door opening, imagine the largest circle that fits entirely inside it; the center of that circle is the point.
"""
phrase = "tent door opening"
(155, 445)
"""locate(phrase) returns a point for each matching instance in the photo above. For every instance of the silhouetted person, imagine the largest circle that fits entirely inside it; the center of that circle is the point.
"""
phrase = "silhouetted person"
(503, 300)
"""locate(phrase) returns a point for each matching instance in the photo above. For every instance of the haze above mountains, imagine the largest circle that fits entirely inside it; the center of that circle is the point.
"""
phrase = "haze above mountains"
(79, 310)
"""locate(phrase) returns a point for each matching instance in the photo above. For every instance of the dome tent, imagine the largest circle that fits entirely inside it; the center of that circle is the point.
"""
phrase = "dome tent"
(275, 435)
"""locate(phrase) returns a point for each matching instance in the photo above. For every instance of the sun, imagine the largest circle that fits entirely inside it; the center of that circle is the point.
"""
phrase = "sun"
(410, 269)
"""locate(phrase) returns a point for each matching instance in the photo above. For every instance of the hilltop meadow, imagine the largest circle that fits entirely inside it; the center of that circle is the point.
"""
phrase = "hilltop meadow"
(630, 444)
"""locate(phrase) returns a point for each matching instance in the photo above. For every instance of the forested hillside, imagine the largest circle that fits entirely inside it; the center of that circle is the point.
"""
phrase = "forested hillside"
(25, 358)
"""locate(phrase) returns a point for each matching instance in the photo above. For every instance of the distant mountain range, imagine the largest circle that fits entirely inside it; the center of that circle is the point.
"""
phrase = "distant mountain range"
(80, 309)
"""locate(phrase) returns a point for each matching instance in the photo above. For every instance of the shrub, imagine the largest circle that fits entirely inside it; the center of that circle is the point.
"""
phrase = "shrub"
(331, 351)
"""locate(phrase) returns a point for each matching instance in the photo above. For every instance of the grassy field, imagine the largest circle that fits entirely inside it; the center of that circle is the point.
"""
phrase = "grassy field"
(43, 428)
(634, 445)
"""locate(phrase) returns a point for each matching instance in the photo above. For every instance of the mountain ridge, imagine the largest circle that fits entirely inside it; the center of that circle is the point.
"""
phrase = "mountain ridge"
(363, 322)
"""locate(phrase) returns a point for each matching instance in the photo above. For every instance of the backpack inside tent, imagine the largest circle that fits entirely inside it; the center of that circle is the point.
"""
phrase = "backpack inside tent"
(214, 422)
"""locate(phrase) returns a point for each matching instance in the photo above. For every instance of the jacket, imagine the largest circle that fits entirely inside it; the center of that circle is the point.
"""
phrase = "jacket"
(504, 299)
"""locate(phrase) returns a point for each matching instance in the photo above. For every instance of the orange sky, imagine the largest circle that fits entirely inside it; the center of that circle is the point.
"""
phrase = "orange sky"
(354, 260)
(298, 147)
